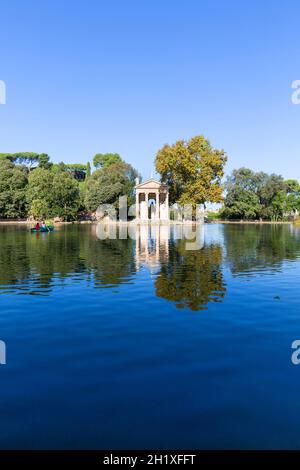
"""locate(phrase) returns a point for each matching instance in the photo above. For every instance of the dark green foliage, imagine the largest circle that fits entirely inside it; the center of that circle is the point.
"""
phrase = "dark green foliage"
(107, 184)
(13, 182)
(44, 161)
(52, 194)
(77, 170)
(65, 198)
(104, 160)
(39, 193)
(22, 158)
(251, 196)
(30, 184)
(88, 170)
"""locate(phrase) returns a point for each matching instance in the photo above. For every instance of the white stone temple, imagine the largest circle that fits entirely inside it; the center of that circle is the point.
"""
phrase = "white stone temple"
(152, 201)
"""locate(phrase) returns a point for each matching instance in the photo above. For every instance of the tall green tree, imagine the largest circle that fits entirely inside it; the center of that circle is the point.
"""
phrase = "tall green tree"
(44, 161)
(293, 196)
(193, 170)
(107, 184)
(39, 193)
(13, 183)
(58, 167)
(22, 158)
(77, 170)
(52, 194)
(104, 160)
(242, 200)
(65, 197)
(257, 195)
(88, 170)
(29, 159)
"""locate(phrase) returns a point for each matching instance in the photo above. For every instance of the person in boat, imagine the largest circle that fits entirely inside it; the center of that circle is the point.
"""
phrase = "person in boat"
(37, 226)
(44, 226)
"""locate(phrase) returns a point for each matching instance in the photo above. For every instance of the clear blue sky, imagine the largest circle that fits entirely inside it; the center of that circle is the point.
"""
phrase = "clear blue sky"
(128, 76)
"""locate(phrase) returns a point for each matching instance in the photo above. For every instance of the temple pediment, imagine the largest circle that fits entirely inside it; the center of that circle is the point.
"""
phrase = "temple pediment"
(150, 184)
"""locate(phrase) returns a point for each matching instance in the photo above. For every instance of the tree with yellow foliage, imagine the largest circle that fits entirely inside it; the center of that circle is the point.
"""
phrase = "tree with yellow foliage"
(193, 170)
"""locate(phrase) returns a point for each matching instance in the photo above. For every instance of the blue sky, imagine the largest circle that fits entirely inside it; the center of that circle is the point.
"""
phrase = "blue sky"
(128, 76)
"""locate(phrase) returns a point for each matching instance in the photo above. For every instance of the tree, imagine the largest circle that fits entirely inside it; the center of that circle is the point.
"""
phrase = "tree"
(277, 207)
(107, 184)
(271, 191)
(88, 170)
(40, 209)
(242, 200)
(193, 170)
(292, 186)
(44, 161)
(28, 159)
(52, 194)
(22, 158)
(13, 183)
(251, 195)
(104, 160)
(241, 204)
(58, 167)
(293, 196)
(77, 170)
(6, 156)
(65, 197)
(39, 193)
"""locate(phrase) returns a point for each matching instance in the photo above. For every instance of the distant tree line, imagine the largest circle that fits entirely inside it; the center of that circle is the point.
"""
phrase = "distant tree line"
(253, 195)
(31, 185)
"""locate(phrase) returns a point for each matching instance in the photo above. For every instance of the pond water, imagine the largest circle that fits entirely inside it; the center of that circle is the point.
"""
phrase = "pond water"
(146, 343)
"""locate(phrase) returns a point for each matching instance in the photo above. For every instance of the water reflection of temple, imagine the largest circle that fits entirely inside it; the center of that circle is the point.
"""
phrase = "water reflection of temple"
(153, 242)
(152, 245)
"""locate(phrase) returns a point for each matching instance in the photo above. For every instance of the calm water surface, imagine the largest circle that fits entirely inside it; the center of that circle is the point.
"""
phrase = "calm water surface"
(145, 344)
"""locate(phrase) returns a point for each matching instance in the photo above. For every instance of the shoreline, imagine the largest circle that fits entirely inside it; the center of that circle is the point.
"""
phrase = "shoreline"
(252, 222)
(171, 222)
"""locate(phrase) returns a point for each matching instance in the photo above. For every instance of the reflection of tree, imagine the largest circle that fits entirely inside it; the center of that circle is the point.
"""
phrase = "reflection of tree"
(192, 278)
(53, 255)
(111, 261)
(14, 264)
(260, 247)
(32, 261)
